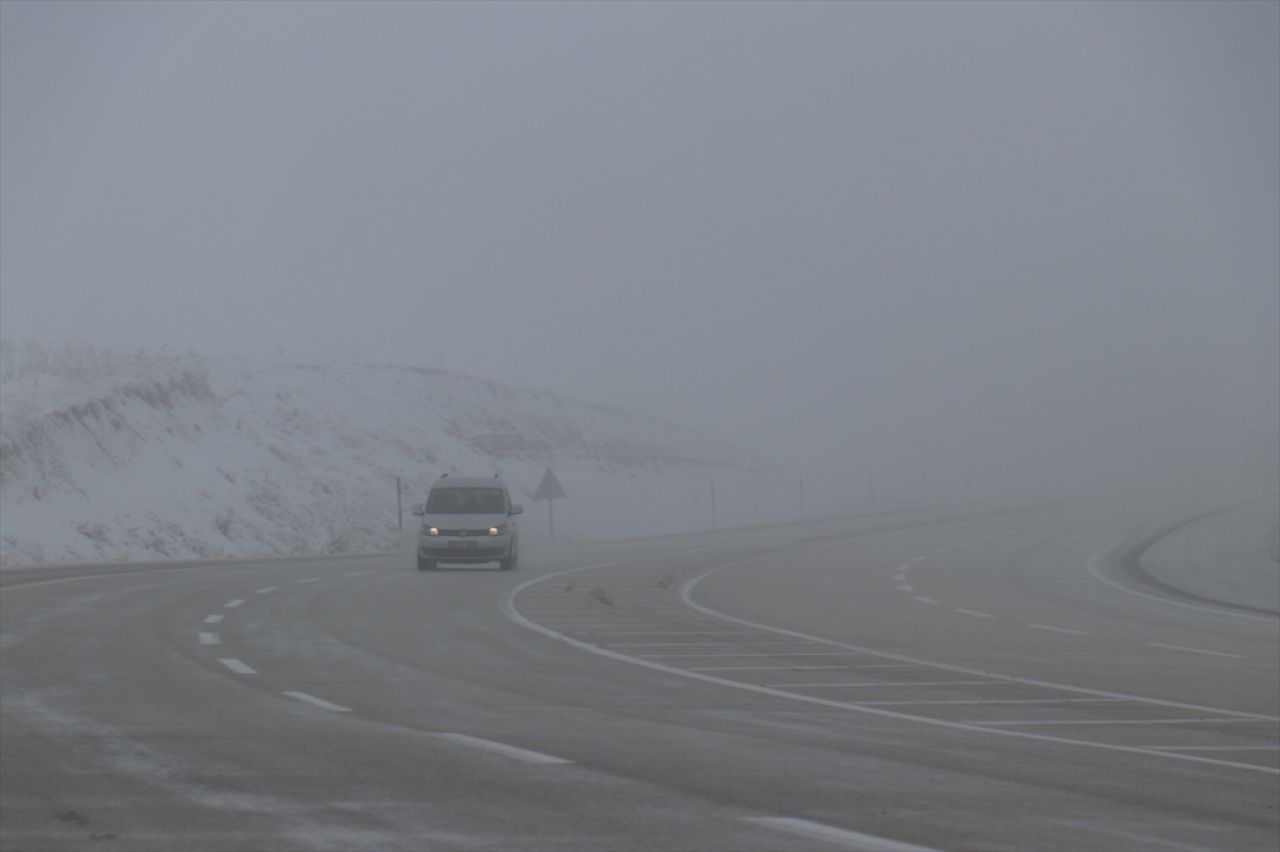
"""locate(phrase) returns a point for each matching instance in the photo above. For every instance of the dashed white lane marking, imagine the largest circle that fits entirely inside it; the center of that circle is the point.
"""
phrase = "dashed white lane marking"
(975, 613)
(213, 619)
(923, 599)
(237, 666)
(310, 580)
(235, 603)
(319, 702)
(918, 560)
(1195, 650)
(1053, 629)
(356, 573)
(904, 587)
(210, 639)
(268, 590)
(879, 683)
(1200, 721)
(838, 836)
(513, 752)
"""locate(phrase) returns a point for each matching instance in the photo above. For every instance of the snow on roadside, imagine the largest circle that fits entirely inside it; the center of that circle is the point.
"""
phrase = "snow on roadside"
(108, 456)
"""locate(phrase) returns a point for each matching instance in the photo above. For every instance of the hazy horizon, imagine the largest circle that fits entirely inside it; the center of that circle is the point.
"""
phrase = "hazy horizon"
(1027, 243)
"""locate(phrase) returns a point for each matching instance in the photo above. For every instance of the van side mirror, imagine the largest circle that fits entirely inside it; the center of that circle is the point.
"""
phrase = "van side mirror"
(418, 509)
(516, 508)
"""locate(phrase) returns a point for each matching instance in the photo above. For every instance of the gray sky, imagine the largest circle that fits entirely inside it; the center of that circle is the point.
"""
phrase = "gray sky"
(1036, 239)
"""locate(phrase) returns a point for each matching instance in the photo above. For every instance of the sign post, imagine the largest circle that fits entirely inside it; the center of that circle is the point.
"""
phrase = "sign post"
(550, 489)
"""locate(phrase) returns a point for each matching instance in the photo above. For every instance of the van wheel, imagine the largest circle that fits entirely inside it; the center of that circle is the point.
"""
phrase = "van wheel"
(509, 564)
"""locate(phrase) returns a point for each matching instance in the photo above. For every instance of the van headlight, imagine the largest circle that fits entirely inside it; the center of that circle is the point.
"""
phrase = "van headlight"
(498, 530)
(431, 531)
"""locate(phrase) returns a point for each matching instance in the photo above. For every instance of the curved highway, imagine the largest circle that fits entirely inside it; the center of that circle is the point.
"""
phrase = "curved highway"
(959, 679)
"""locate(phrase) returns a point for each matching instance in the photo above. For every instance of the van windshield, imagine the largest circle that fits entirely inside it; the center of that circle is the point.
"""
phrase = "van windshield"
(466, 501)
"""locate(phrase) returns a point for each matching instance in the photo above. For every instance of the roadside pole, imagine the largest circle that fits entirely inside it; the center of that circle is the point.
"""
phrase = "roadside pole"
(713, 502)
(399, 509)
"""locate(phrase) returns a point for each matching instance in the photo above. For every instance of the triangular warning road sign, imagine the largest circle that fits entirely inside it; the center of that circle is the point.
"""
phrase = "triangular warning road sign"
(549, 488)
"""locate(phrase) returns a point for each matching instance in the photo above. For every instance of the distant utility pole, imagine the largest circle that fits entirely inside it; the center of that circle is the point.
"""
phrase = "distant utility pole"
(800, 480)
(399, 509)
(713, 502)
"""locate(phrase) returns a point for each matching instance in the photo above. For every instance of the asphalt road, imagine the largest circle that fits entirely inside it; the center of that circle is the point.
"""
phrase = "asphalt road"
(981, 679)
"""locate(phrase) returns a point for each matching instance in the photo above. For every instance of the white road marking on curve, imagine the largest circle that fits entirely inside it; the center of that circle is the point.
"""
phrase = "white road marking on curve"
(235, 603)
(508, 607)
(839, 836)
(310, 580)
(213, 619)
(210, 639)
(923, 599)
(268, 590)
(1216, 721)
(878, 683)
(1216, 748)
(975, 613)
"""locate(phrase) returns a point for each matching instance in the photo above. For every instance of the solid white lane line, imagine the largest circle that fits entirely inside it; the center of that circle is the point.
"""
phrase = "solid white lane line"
(1050, 627)
(210, 639)
(213, 619)
(513, 752)
(745, 656)
(975, 613)
(612, 632)
(508, 607)
(686, 596)
(1000, 701)
(237, 666)
(881, 683)
(923, 599)
(1201, 721)
(319, 702)
(838, 836)
(904, 587)
(761, 668)
(235, 603)
(268, 590)
(1216, 748)
(738, 642)
(310, 580)
(1195, 650)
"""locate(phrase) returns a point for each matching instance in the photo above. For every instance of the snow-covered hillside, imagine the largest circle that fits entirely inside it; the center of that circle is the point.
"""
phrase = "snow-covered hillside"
(110, 456)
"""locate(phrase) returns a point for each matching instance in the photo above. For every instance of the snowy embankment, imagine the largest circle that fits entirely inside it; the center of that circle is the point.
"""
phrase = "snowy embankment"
(1232, 556)
(123, 457)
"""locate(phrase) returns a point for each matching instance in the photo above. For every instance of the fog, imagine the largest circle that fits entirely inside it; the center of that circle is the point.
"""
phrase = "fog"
(936, 248)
